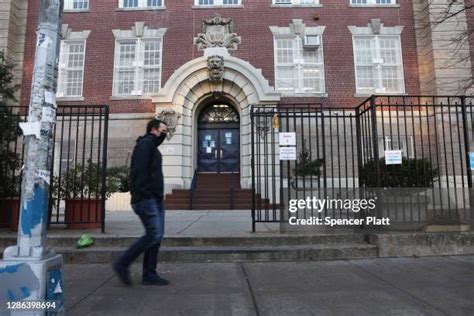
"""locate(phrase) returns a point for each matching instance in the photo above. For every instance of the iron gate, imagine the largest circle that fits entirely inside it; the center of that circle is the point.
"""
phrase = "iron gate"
(79, 163)
(341, 152)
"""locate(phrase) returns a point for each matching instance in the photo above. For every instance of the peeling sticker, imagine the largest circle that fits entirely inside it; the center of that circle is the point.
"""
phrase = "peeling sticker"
(44, 175)
(18, 282)
(50, 98)
(31, 128)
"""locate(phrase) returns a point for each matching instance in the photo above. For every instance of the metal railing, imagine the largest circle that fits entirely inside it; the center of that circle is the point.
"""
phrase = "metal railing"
(342, 154)
(78, 180)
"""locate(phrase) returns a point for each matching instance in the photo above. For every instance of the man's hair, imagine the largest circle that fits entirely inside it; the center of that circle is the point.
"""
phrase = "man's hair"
(154, 123)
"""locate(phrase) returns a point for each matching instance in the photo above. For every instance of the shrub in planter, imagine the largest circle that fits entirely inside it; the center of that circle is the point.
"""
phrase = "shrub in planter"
(307, 171)
(9, 159)
(412, 173)
(81, 189)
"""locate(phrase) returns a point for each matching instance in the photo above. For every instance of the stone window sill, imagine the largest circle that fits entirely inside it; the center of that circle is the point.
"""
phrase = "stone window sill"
(293, 6)
(70, 99)
(304, 95)
(77, 11)
(238, 6)
(368, 95)
(374, 6)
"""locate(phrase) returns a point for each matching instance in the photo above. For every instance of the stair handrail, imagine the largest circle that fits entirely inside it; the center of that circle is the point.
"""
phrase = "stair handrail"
(232, 190)
(192, 189)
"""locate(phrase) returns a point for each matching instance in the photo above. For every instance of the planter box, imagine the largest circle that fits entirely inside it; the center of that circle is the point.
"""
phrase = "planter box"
(9, 212)
(301, 184)
(83, 214)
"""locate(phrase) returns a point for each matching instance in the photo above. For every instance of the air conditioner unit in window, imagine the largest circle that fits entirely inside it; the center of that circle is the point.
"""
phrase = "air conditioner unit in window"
(312, 41)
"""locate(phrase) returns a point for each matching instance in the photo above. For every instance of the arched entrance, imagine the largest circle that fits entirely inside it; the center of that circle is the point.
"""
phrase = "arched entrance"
(218, 139)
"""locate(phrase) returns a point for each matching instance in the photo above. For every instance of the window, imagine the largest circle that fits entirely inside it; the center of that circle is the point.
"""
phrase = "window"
(76, 5)
(378, 64)
(296, 2)
(71, 68)
(137, 67)
(372, 2)
(217, 2)
(139, 4)
(298, 69)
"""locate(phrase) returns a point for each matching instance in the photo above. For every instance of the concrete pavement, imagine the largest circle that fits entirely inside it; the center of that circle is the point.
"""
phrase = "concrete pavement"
(393, 286)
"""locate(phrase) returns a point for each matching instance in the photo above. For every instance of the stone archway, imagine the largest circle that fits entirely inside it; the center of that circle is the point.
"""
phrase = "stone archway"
(187, 87)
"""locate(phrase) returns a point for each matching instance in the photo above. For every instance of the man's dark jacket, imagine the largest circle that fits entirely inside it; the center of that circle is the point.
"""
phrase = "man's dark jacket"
(146, 172)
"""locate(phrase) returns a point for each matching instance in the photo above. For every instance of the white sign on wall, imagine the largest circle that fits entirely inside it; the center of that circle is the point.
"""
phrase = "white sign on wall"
(393, 157)
(287, 139)
(287, 153)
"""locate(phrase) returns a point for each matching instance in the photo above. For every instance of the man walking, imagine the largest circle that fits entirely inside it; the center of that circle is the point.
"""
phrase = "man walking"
(147, 185)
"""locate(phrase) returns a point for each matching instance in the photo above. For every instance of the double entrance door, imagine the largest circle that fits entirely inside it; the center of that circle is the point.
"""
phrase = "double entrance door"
(219, 150)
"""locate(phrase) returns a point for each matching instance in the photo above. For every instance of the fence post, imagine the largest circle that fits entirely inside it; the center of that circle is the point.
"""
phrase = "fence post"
(104, 165)
(468, 164)
(252, 164)
(373, 110)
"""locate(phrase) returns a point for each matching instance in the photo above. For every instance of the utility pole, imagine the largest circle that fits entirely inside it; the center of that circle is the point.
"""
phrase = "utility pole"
(30, 271)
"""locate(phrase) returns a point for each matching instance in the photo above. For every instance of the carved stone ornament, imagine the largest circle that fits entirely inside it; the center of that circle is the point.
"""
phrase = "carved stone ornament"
(217, 32)
(215, 65)
(171, 118)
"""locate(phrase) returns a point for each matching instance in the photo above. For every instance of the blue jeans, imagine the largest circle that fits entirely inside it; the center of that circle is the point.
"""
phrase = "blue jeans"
(152, 216)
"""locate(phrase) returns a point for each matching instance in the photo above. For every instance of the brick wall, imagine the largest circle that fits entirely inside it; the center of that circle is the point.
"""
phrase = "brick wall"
(250, 22)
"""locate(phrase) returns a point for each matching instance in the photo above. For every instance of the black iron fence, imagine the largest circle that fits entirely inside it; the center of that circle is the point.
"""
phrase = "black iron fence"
(408, 156)
(79, 184)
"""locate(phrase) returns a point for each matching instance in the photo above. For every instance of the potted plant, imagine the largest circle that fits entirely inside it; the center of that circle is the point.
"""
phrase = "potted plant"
(399, 188)
(9, 159)
(81, 188)
(307, 171)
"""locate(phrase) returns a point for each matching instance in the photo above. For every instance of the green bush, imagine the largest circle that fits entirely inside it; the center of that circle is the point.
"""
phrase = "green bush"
(412, 173)
(306, 166)
(9, 133)
(122, 174)
(86, 181)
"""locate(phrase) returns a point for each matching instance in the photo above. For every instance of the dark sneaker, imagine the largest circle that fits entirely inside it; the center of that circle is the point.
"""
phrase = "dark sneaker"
(123, 274)
(155, 280)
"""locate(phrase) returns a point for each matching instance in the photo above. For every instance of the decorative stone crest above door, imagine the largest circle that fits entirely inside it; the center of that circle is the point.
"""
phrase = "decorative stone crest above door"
(217, 32)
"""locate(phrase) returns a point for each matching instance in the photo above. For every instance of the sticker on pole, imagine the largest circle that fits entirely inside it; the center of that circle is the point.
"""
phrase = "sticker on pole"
(287, 153)
(393, 157)
(471, 160)
(287, 139)
(31, 128)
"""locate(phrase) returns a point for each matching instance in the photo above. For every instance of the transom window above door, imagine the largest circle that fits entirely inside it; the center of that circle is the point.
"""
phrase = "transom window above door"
(76, 5)
(219, 113)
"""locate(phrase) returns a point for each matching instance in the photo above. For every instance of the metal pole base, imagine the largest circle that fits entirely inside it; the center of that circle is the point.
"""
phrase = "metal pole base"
(32, 287)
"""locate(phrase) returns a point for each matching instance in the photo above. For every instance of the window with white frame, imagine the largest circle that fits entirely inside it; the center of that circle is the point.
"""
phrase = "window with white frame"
(296, 2)
(217, 2)
(140, 4)
(71, 68)
(298, 69)
(372, 2)
(137, 66)
(76, 5)
(378, 64)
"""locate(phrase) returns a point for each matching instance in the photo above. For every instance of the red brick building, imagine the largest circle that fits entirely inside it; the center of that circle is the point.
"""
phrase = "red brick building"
(199, 59)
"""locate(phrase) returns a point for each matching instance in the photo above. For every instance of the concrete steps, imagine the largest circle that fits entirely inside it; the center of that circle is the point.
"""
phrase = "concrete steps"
(202, 249)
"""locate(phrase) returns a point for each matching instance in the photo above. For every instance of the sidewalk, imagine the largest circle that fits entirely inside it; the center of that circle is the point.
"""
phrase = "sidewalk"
(403, 286)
